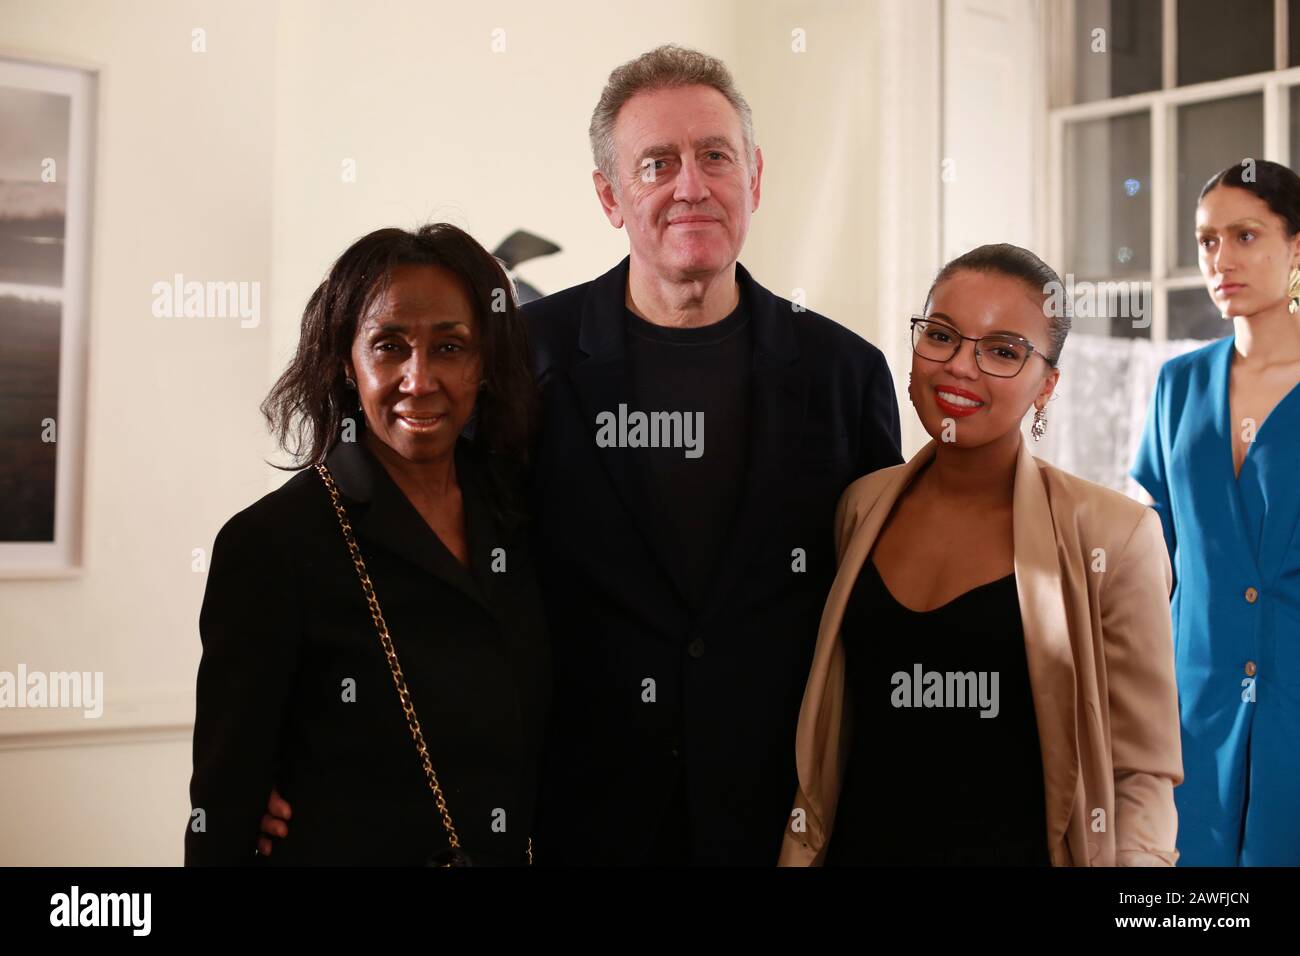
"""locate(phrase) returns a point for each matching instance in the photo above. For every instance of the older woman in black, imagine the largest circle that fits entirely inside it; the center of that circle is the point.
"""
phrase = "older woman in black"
(411, 399)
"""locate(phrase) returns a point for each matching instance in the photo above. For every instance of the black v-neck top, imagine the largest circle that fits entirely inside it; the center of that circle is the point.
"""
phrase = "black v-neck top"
(929, 779)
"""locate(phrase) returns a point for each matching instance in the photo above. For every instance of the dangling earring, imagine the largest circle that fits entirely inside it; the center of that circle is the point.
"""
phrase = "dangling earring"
(1039, 428)
(1293, 292)
(909, 389)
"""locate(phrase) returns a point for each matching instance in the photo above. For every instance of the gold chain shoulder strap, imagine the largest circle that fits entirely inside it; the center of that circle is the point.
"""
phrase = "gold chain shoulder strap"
(390, 652)
(399, 680)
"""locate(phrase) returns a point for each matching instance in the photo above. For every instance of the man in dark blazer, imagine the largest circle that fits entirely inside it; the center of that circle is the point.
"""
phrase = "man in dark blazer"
(697, 432)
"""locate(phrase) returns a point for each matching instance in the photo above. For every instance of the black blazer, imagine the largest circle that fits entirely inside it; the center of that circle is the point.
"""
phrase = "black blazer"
(729, 682)
(285, 624)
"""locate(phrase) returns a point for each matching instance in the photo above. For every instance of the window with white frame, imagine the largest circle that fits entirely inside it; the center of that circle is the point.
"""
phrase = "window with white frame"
(1148, 99)
(1158, 96)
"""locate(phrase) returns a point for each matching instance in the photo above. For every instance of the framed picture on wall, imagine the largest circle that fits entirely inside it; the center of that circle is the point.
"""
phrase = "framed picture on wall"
(46, 152)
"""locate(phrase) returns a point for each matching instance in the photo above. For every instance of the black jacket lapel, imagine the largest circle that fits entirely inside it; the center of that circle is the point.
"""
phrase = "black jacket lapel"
(381, 515)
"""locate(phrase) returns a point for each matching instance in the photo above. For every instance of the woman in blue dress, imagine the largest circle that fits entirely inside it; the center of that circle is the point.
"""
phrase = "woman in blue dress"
(1220, 458)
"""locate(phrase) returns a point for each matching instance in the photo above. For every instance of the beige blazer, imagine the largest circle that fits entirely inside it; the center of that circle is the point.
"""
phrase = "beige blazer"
(1093, 578)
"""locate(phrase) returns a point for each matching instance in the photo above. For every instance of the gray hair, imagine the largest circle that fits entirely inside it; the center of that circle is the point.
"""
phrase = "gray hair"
(665, 67)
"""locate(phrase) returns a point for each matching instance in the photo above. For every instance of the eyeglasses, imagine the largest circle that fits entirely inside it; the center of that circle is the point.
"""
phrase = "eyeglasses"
(1000, 355)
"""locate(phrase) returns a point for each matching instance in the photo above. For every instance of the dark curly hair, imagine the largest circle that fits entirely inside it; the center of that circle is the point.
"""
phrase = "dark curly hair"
(306, 406)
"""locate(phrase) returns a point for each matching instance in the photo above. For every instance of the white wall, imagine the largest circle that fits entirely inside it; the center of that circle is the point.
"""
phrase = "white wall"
(908, 185)
(509, 147)
(816, 119)
(226, 165)
(960, 88)
(444, 128)
(183, 184)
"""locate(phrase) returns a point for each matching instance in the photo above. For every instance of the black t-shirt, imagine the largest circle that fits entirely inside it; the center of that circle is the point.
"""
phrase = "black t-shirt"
(702, 373)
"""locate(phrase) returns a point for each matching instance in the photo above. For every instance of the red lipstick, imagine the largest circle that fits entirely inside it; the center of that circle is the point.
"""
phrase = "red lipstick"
(952, 408)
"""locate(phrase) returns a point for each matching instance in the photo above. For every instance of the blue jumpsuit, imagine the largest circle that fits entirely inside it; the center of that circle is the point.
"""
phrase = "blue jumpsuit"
(1234, 544)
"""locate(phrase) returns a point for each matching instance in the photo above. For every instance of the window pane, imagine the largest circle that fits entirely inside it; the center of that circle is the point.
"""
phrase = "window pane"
(1116, 308)
(1193, 315)
(1117, 51)
(1211, 136)
(1218, 40)
(1293, 33)
(1108, 196)
(1293, 105)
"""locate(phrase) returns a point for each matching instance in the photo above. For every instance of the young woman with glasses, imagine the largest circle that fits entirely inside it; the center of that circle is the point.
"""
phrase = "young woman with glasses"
(993, 681)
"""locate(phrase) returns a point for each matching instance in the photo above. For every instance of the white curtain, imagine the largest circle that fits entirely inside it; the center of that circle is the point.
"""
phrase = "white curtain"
(1096, 418)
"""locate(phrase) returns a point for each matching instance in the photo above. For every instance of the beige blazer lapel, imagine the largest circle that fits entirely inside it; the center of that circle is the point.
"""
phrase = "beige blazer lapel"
(1047, 645)
(823, 731)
